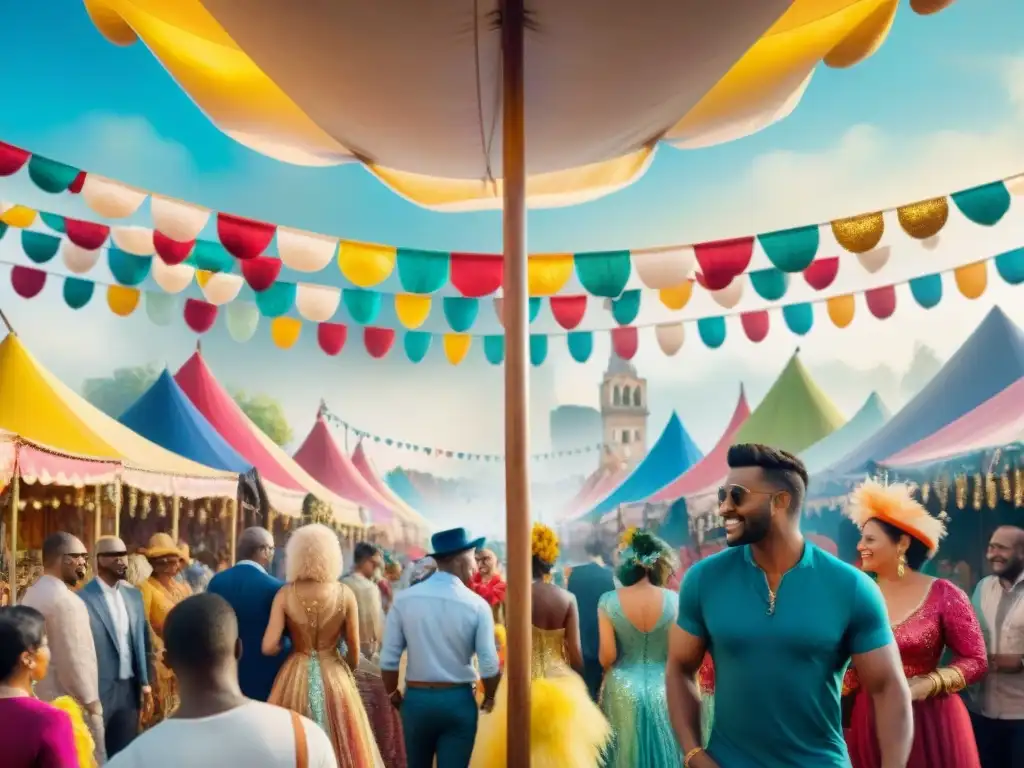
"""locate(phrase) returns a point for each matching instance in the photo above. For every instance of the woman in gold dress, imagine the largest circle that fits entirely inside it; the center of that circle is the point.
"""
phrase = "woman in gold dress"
(160, 593)
(319, 612)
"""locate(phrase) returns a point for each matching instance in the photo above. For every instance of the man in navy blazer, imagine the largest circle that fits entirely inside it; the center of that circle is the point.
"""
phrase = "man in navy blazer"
(120, 633)
(250, 590)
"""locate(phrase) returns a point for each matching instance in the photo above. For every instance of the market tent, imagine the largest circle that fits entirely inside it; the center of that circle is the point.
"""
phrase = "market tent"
(369, 472)
(35, 405)
(400, 484)
(996, 423)
(712, 468)
(672, 454)
(578, 502)
(868, 420)
(990, 360)
(321, 457)
(794, 414)
(275, 467)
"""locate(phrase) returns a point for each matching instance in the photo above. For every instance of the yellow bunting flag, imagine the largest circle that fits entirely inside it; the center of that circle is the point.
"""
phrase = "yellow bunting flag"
(456, 345)
(203, 277)
(18, 216)
(972, 279)
(841, 310)
(677, 297)
(924, 219)
(859, 234)
(412, 309)
(366, 264)
(548, 273)
(122, 300)
(285, 331)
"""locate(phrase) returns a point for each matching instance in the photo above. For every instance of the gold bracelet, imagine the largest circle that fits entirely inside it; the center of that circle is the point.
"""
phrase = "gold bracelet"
(952, 679)
(937, 684)
(690, 755)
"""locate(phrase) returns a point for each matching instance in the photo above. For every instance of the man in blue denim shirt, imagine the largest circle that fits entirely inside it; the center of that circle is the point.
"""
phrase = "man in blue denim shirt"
(442, 625)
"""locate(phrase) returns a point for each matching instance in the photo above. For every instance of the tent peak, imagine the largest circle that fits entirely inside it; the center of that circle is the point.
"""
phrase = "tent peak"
(7, 323)
(321, 409)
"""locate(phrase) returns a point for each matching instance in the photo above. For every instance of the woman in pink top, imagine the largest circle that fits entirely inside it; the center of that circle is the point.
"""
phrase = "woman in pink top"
(33, 734)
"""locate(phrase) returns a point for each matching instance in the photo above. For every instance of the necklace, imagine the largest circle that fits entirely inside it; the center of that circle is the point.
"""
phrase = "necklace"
(771, 595)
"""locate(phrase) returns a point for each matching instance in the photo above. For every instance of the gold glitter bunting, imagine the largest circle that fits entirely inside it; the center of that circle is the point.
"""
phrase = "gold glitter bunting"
(960, 482)
(924, 219)
(977, 496)
(859, 234)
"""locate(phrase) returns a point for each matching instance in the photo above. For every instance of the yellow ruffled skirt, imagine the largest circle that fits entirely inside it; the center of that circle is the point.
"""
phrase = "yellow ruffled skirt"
(567, 728)
(85, 746)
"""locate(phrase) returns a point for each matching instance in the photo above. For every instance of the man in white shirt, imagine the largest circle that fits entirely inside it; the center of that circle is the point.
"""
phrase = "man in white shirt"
(216, 726)
(997, 703)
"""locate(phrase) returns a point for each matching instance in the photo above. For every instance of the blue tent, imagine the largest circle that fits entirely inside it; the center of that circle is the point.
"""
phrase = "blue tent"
(830, 449)
(987, 363)
(672, 455)
(164, 415)
(402, 486)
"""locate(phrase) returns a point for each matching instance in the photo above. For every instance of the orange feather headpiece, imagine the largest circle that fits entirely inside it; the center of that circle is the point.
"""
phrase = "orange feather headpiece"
(894, 504)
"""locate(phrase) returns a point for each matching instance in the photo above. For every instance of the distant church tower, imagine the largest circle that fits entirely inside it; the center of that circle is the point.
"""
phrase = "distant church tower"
(623, 414)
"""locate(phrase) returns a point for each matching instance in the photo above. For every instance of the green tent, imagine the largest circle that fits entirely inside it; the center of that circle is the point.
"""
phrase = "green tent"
(794, 415)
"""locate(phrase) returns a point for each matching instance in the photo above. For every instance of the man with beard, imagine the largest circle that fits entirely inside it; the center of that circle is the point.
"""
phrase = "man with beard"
(122, 641)
(997, 705)
(781, 619)
(73, 670)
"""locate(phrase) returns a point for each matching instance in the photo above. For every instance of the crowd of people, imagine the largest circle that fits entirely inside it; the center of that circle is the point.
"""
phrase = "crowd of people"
(772, 654)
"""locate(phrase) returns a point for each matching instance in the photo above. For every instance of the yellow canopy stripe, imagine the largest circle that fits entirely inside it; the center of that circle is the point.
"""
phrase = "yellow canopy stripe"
(122, 300)
(366, 264)
(285, 331)
(456, 345)
(412, 309)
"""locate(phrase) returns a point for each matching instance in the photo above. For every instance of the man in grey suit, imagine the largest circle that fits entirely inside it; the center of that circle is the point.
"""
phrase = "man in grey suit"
(588, 583)
(123, 647)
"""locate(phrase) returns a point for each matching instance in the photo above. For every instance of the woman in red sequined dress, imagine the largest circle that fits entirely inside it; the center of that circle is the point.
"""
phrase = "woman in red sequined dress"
(928, 615)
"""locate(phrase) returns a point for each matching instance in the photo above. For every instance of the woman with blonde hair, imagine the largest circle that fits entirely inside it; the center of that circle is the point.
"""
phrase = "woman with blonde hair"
(319, 612)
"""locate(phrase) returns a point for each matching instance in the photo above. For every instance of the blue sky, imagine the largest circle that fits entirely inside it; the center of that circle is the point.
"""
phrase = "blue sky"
(938, 108)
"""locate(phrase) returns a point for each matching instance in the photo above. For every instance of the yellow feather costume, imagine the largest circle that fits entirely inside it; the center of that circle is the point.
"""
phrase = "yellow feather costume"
(84, 744)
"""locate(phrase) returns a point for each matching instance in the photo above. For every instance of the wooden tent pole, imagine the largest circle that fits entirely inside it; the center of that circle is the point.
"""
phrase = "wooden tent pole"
(517, 402)
(233, 539)
(118, 499)
(12, 565)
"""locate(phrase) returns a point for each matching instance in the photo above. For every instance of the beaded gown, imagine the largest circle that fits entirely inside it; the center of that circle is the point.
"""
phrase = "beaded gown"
(633, 694)
(316, 682)
(943, 736)
(567, 730)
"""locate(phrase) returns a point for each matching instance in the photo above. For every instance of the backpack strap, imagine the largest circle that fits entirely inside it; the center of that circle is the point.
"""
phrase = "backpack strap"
(301, 747)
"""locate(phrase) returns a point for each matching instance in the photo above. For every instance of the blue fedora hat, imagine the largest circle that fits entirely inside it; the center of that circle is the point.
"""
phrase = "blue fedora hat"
(453, 541)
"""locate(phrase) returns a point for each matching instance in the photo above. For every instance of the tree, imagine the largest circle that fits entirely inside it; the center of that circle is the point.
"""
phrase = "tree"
(113, 394)
(267, 414)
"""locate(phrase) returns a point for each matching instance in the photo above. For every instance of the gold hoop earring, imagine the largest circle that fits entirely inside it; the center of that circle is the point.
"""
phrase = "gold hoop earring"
(901, 567)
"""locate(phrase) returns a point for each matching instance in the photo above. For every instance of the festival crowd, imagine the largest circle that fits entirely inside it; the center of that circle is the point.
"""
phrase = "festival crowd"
(772, 654)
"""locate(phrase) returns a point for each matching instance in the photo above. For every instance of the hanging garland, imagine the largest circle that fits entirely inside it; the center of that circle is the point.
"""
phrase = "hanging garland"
(177, 226)
(242, 318)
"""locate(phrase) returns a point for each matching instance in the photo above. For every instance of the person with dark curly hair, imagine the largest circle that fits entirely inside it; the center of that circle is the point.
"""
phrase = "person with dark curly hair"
(782, 619)
(634, 623)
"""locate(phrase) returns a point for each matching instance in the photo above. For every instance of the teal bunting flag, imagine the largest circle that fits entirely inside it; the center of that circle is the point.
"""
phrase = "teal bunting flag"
(39, 247)
(417, 344)
(78, 292)
(711, 331)
(927, 290)
(49, 175)
(538, 349)
(1010, 266)
(984, 205)
(534, 307)
(277, 300)
(581, 345)
(363, 306)
(127, 268)
(53, 221)
(494, 349)
(422, 271)
(211, 257)
(626, 308)
(770, 284)
(799, 318)
(460, 312)
(791, 250)
(603, 273)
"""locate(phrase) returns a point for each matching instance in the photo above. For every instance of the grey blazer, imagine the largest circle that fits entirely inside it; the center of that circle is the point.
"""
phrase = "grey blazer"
(105, 639)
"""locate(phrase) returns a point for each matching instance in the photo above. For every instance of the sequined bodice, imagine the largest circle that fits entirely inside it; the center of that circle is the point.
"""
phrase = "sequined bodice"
(549, 657)
(316, 624)
(635, 646)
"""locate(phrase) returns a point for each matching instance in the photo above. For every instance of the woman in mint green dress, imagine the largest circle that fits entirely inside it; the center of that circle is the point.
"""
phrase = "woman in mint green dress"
(634, 625)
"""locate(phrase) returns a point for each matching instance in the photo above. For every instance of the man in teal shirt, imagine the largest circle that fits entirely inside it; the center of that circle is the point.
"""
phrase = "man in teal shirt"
(781, 619)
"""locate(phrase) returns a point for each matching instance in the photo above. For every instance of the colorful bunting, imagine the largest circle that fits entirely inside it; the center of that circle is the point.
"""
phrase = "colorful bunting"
(417, 344)
(927, 290)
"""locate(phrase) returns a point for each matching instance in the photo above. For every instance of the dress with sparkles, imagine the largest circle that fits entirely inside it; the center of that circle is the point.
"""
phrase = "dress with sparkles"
(943, 736)
(633, 694)
(316, 682)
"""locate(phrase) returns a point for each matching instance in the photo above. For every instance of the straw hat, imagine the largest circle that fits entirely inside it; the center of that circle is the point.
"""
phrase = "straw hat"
(161, 545)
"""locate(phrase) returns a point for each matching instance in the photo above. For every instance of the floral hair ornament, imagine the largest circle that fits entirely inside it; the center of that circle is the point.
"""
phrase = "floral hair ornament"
(544, 543)
(626, 540)
(894, 504)
(647, 562)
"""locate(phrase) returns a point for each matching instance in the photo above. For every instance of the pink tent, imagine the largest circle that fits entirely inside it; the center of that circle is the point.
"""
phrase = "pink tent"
(572, 508)
(321, 457)
(996, 422)
(365, 467)
(607, 480)
(710, 470)
(287, 484)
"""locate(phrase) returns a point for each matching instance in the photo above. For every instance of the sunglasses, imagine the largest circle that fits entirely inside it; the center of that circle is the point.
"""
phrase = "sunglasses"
(737, 494)
(77, 555)
(112, 554)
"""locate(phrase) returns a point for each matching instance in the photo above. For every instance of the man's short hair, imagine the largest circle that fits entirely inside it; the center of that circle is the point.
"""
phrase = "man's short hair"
(200, 633)
(781, 468)
(594, 547)
(55, 545)
(363, 551)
